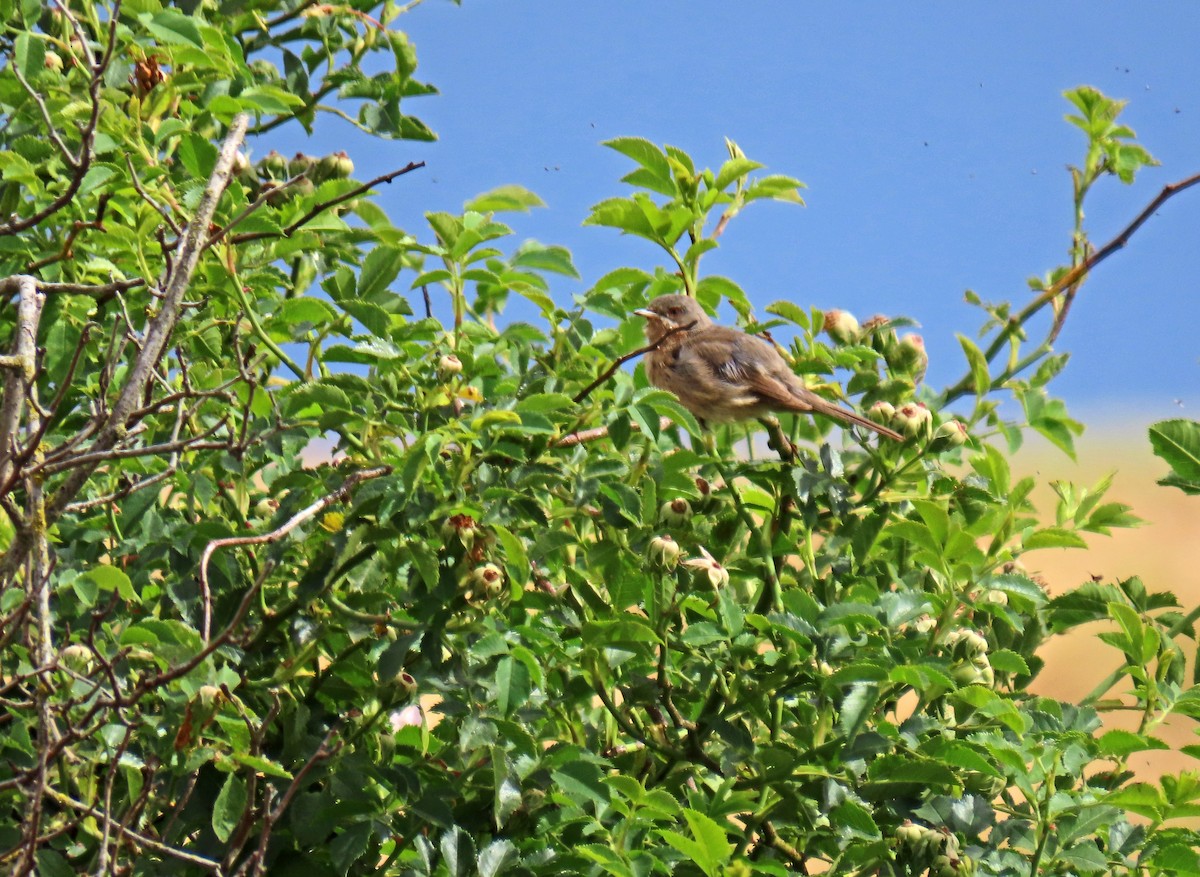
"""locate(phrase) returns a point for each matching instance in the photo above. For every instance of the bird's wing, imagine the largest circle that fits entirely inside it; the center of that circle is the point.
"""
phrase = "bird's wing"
(749, 363)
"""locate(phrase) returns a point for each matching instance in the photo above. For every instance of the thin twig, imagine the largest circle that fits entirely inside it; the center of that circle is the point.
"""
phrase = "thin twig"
(275, 535)
(1068, 280)
(289, 230)
(612, 369)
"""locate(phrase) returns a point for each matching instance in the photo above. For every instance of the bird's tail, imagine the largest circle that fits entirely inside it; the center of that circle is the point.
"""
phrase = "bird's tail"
(845, 415)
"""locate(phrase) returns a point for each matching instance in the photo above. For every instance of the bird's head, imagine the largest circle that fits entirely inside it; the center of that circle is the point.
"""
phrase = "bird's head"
(669, 312)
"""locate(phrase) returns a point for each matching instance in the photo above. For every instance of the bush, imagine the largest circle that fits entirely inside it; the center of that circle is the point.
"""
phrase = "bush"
(529, 617)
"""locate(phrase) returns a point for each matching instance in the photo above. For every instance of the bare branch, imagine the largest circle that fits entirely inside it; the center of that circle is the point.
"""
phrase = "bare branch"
(20, 366)
(158, 333)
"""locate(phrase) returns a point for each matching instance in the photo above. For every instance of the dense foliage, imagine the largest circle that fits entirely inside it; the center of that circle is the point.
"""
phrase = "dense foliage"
(528, 617)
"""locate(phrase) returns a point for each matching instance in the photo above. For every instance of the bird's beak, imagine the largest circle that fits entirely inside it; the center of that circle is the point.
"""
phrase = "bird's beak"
(647, 313)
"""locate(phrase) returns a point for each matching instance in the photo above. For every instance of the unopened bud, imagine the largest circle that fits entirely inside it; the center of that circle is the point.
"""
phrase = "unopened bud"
(882, 412)
(842, 327)
(273, 165)
(265, 508)
(951, 434)
(878, 330)
(54, 61)
(909, 356)
(484, 581)
(449, 366)
(966, 644)
(77, 657)
(300, 163)
(913, 420)
(663, 552)
(675, 512)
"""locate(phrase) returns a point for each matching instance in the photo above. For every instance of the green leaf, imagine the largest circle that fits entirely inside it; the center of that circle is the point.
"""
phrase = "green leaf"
(305, 309)
(1008, 661)
(109, 578)
(495, 857)
(649, 157)
(198, 155)
(229, 806)
(1052, 537)
(349, 846)
(51, 863)
(513, 199)
(777, 188)
(512, 685)
(1178, 442)
(174, 28)
(710, 290)
(582, 781)
(379, 270)
(29, 53)
(1118, 743)
(981, 378)
(262, 765)
(709, 847)
(734, 169)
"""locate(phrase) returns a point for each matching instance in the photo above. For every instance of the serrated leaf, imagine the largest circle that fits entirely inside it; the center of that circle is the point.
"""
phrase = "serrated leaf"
(1052, 537)
(174, 28)
(509, 198)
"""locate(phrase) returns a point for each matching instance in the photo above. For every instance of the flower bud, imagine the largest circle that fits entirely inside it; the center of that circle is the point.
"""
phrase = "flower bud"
(882, 412)
(663, 552)
(951, 434)
(273, 165)
(841, 326)
(406, 682)
(675, 512)
(717, 575)
(265, 508)
(909, 835)
(881, 334)
(913, 420)
(300, 163)
(461, 527)
(209, 696)
(909, 358)
(335, 166)
(974, 672)
(77, 657)
(486, 581)
(966, 644)
(999, 598)
(703, 486)
(449, 366)
(54, 61)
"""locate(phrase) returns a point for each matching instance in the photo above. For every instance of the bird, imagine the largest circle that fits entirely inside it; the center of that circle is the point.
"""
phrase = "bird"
(723, 375)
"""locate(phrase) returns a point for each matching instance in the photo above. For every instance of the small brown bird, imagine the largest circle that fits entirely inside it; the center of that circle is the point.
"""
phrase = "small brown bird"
(723, 374)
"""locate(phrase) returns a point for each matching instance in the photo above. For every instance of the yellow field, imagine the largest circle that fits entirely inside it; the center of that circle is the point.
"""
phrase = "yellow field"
(1162, 552)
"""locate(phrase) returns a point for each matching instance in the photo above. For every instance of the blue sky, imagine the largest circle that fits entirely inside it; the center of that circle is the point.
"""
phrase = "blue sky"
(931, 138)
